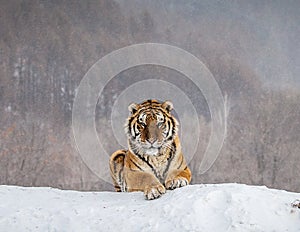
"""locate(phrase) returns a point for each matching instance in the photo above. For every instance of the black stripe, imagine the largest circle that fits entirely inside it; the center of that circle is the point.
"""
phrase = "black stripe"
(174, 145)
(130, 120)
(129, 125)
(174, 125)
(120, 172)
(116, 157)
(181, 162)
(135, 164)
(152, 107)
(115, 165)
(169, 160)
(134, 130)
(169, 127)
(147, 162)
(125, 184)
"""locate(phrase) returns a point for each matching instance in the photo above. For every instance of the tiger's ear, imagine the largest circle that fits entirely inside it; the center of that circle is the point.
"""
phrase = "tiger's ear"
(167, 105)
(133, 108)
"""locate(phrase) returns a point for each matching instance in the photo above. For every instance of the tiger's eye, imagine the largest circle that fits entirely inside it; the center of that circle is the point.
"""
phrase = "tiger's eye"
(160, 119)
(140, 120)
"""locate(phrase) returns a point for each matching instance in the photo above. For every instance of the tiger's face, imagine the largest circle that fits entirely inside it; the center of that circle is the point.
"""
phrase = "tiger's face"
(150, 127)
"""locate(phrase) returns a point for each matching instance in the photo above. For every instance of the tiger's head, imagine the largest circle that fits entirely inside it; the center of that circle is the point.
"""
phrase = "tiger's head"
(150, 127)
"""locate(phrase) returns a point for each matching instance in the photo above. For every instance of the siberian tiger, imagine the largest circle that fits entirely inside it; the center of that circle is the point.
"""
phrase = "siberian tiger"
(154, 161)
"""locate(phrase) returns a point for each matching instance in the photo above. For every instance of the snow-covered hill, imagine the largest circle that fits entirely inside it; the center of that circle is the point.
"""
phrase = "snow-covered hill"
(208, 208)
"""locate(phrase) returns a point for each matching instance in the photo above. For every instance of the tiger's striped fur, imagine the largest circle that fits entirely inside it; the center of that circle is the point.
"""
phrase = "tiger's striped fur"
(154, 161)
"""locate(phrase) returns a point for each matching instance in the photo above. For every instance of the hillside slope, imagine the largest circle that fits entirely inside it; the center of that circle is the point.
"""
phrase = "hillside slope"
(223, 207)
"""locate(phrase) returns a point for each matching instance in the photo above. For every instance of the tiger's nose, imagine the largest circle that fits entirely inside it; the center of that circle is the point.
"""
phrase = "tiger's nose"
(151, 140)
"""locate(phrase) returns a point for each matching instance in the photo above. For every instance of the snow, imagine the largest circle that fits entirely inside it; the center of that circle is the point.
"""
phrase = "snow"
(209, 208)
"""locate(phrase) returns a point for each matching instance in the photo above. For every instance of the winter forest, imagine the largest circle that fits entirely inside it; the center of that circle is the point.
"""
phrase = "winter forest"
(251, 48)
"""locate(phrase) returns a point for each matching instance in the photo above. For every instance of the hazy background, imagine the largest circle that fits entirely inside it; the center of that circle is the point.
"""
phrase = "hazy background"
(251, 47)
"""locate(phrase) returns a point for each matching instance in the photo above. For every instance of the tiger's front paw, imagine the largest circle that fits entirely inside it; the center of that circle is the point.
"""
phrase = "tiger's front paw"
(153, 192)
(176, 183)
